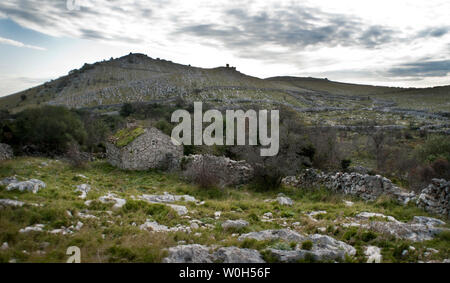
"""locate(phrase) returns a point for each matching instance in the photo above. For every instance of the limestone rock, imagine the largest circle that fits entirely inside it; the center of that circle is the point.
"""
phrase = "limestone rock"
(284, 200)
(189, 254)
(436, 197)
(112, 198)
(234, 224)
(373, 254)
(281, 234)
(238, 255)
(10, 202)
(32, 185)
(84, 189)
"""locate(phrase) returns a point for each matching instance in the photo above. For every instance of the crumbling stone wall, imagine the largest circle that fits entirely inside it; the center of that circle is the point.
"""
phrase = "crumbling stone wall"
(6, 152)
(228, 172)
(435, 198)
(152, 149)
(364, 186)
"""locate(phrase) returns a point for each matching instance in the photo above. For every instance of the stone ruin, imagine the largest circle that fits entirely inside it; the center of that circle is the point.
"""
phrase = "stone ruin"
(143, 149)
(228, 172)
(434, 198)
(6, 152)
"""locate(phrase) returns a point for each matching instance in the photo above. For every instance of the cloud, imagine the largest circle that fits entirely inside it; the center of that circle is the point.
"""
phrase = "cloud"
(261, 38)
(19, 44)
(421, 69)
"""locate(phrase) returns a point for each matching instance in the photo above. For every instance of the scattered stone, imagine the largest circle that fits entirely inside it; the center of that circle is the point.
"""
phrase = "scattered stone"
(284, 200)
(167, 198)
(348, 203)
(10, 202)
(181, 210)
(234, 224)
(84, 189)
(153, 226)
(112, 198)
(369, 215)
(86, 216)
(34, 228)
(217, 214)
(373, 254)
(32, 185)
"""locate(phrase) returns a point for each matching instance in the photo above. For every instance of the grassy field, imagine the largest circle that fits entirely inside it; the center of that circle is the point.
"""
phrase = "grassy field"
(114, 236)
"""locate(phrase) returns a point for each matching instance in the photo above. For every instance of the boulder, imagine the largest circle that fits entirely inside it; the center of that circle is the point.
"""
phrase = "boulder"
(189, 254)
(373, 254)
(284, 200)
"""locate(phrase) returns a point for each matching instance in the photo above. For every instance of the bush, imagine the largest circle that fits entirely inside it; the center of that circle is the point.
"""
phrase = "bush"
(49, 129)
(435, 147)
(345, 163)
(307, 245)
(266, 178)
(126, 110)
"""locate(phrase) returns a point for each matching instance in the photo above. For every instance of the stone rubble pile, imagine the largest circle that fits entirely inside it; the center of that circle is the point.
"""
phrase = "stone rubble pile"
(228, 172)
(435, 198)
(364, 186)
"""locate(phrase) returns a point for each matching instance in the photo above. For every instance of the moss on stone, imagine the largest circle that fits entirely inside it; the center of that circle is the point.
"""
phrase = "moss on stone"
(125, 136)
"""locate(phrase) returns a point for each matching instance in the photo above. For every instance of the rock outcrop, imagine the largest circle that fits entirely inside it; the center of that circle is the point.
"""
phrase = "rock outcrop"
(435, 198)
(6, 152)
(224, 171)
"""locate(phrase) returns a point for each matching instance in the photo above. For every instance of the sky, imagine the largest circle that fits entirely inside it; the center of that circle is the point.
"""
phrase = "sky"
(383, 42)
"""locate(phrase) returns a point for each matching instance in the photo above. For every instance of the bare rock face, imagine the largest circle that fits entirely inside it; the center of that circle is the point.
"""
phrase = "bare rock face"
(237, 255)
(435, 198)
(364, 186)
(150, 149)
(224, 171)
(6, 152)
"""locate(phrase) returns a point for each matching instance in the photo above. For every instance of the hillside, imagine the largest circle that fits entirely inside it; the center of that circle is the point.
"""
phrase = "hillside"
(139, 78)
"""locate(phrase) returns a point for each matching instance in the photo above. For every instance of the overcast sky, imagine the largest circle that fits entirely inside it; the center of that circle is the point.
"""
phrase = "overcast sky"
(396, 43)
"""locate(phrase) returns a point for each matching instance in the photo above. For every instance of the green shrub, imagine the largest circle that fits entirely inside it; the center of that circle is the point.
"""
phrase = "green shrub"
(49, 129)
(435, 147)
(307, 245)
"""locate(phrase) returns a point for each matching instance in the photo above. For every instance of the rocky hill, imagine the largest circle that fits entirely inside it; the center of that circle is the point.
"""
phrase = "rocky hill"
(139, 78)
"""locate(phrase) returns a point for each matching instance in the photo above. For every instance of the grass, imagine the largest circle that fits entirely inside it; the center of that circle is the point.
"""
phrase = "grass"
(115, 236)
(125, 136)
